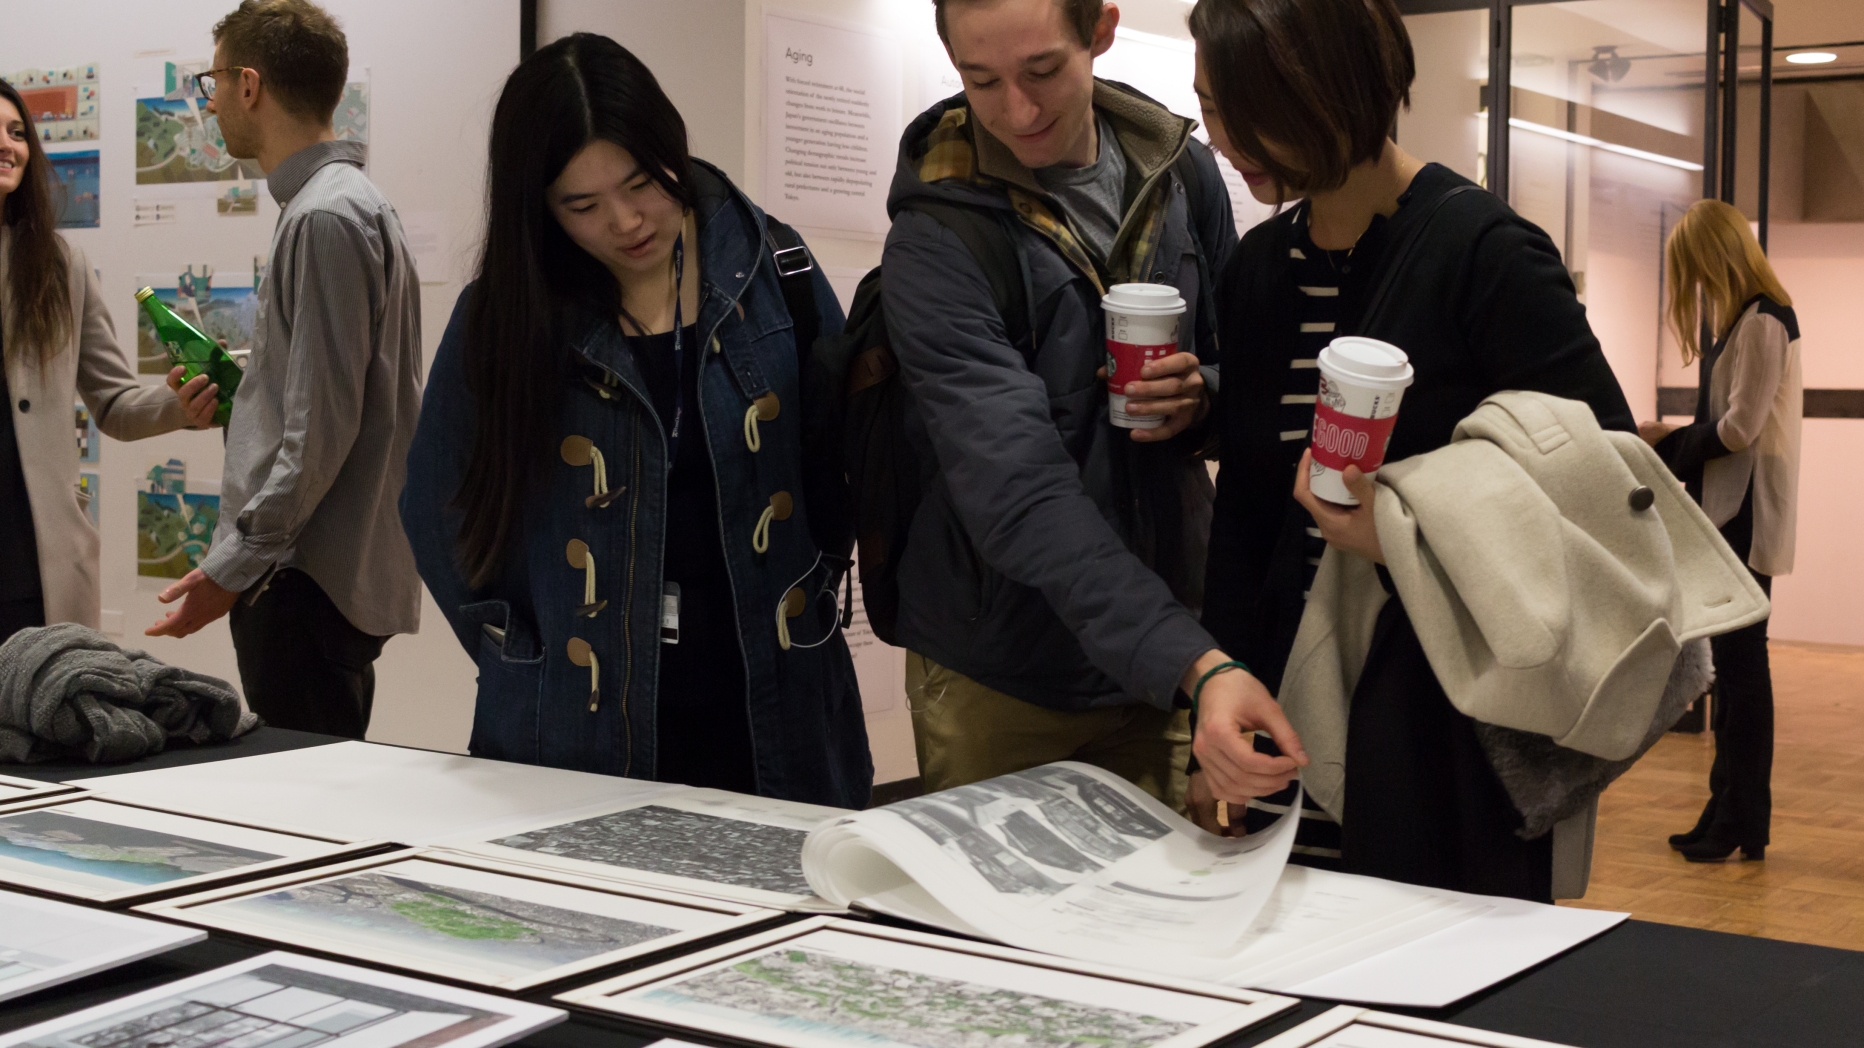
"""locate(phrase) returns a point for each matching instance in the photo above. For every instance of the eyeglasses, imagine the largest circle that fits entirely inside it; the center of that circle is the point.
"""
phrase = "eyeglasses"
(204, 81)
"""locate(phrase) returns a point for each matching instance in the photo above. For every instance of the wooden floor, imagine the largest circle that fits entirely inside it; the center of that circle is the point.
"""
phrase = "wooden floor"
(1810, 888)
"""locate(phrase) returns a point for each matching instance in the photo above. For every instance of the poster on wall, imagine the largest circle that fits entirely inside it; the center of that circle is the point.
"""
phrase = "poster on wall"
(240, 198)
(351, 119)
(175, 520)
(223, 306)
(87, 492)
(77, 194)
(831, 123)
(90, 448)
(62, 101)
(178, 142)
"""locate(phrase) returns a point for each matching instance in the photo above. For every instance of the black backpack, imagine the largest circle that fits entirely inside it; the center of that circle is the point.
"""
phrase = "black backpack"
(862, 478)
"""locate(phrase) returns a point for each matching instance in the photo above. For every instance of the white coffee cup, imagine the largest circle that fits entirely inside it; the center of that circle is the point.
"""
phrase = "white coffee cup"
(1361, 382)
(1142, 325)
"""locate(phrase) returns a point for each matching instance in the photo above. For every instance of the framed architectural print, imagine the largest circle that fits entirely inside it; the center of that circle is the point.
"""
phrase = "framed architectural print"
(114, 852)
(826, 982)
(698, 841)
(13, 790)
(44, 942)
(465, 919)
(1348, 1027)
(279, 1000)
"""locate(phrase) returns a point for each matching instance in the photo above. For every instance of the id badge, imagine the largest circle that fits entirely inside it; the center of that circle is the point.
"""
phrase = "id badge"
(670, 613)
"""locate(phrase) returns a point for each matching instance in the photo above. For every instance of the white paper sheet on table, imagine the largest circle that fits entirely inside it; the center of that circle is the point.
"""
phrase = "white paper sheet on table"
(44, 943)
(361, 790)
(1442, 967)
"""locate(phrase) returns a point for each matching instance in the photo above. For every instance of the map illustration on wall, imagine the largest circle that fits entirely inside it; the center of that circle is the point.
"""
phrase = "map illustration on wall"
(200, 297)
(178, 141)
(174, 526)
(351, 120)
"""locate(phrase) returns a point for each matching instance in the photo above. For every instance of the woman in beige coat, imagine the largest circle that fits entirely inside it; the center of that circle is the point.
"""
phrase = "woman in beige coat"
(1740, 459)
(58, 344)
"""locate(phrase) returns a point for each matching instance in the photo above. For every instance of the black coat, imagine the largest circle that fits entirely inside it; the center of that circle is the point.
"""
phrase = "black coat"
(1483, 304)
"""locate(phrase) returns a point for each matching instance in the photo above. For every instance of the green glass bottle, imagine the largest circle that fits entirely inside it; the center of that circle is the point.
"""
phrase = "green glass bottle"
(194, 352)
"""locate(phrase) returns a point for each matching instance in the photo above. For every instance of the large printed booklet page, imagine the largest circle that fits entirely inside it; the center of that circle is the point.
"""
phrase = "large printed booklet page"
(1072, 860)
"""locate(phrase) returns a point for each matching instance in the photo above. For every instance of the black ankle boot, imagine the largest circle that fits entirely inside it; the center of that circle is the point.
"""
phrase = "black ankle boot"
(1679, 841)
(1711, 848)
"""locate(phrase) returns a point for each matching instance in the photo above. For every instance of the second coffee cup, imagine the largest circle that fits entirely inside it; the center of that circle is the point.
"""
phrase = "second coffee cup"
(1142, 325)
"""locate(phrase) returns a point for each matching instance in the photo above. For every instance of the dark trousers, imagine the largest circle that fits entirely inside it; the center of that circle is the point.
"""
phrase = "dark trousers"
(16, 615)
(1741, 779)
(1423, 804)
(302, 664)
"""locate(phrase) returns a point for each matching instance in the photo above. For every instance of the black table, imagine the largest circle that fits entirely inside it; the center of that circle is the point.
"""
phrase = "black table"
(1640, 985)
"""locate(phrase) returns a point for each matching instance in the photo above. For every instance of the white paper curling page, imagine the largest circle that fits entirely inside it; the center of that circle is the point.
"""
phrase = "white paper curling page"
(365, 791)
(1065, 858)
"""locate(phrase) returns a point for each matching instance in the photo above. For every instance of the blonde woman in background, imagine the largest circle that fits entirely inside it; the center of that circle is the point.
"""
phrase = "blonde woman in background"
(58, 346)
(1740, 459)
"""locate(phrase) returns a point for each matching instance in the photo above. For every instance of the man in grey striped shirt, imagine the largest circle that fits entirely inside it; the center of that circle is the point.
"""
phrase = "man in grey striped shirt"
(309, 556)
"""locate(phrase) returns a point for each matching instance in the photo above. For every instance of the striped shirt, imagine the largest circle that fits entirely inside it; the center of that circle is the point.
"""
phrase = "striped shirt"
(1319, 277)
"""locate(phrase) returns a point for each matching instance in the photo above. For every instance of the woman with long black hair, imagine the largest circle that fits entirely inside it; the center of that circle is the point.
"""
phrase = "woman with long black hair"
(58, 345)
(605, 491)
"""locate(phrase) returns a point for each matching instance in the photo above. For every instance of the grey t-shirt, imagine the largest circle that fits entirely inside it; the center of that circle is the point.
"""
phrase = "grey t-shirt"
(1094, 196)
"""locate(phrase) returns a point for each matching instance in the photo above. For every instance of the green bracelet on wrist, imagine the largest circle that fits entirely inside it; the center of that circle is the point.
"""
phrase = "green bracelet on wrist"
(1197, 689)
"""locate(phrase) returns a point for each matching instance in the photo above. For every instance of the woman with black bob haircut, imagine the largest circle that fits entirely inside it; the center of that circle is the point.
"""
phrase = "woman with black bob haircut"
(1300, 95)
(605, 494)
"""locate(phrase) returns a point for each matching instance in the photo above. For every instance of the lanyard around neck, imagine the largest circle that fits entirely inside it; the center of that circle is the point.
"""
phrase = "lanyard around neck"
(679, 363)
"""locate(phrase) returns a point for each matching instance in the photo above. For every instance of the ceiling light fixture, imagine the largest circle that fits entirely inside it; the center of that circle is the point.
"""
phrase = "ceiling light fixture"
(1607, 64)
(1812, 58)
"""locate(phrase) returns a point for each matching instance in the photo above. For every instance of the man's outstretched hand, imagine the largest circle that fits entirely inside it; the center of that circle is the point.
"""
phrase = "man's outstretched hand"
(202, 601)
(1233, 705)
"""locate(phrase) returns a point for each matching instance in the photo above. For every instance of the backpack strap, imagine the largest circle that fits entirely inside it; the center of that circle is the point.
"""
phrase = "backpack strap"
(1396, 262)
(794, 263)
(992, 245)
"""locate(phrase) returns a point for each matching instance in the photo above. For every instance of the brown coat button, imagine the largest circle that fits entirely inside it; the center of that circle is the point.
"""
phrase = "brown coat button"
(781, 505)
(767, 407)
(794, 602)
(577, 553)
(579, 651)
(576, 450)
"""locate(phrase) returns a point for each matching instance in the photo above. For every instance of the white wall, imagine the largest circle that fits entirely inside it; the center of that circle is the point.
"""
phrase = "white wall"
(1822, 267)
(434, 67)
(689, 45)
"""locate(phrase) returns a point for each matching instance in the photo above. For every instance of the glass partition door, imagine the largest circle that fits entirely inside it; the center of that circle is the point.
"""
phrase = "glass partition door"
(1605, 146)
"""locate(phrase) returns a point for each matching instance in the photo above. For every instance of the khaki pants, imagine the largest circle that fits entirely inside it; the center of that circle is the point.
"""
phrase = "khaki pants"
(965, 732)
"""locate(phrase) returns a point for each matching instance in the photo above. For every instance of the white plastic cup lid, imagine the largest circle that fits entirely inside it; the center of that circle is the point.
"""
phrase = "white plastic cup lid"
(1143, 300)
(1357, 357)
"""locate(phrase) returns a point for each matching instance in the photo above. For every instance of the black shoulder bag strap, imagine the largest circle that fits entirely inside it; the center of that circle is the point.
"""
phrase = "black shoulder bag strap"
(794, 264)
(1400, 259)
(993, 246)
